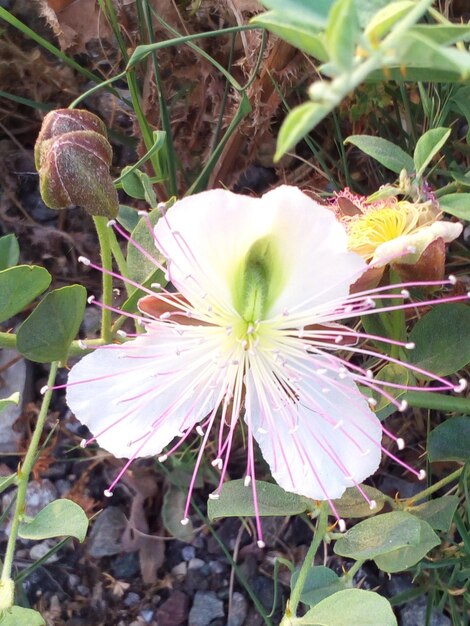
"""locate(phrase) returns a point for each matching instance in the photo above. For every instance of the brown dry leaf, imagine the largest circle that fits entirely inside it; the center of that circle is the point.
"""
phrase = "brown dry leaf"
(135, 537)
(75, 24)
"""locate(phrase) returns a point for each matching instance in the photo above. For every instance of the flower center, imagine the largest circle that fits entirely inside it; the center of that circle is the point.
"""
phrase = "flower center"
(371, 229)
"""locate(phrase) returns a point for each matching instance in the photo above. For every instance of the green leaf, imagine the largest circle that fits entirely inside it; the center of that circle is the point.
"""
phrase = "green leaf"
(352, 503)
(341, 34)
(320, 583)
(132, 183)
(379, 535)
(442, 339)
(392, 373)
(419, 51)
(60, 518)
(139, 266)
(351, 607)
(385, 152)
(298, 123)
(48, 332)
(298, 34)
(173, 506)
(438, 513)
(19, 286)
(236, 500)
(313, 13)
(450, 441)
(9, 251)
(128, 217)
(457, 204)
(13, 399)
(427, 146)
(403, 558)
(381, 23)
(444, 34)
(8, 481)
(18, 616)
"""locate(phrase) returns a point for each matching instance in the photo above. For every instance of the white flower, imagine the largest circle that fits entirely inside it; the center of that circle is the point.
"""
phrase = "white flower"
(251, 333)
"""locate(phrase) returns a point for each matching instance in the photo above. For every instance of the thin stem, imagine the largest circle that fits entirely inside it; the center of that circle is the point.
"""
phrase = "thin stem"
(307, 564)
(433, 488)
(107, 280)
(23, 475)
(8, 341)
(353, 570)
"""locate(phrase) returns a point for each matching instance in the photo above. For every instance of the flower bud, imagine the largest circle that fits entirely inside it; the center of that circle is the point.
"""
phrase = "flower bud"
(73, 156)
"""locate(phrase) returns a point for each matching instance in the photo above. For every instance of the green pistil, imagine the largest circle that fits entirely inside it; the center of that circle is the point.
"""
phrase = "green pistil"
(254, 289)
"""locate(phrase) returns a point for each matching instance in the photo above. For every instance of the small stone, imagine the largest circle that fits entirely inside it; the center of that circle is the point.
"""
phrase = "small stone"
(105, 536)
(132, 599)
(206, 608)
(174, 611)
(125, 566)
(216, 567)
(179, 571)
(38, 495)
(39, 550)
(188, 553)
(238, 610)
(414, 614)
(147, 615)
(63, 486)
(196, 564)
(13, 379)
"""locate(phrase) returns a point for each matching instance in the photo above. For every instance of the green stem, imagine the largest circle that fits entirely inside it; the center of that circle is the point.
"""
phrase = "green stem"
(8, 341)
(308, 562)
(107, 280)
(23, 475)
(353, 570)
(437, 401)
(433, 488)
(119, 258)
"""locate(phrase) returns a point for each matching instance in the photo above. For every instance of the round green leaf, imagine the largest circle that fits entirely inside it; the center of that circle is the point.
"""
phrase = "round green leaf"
(457, 204)
(13, 399)
(19, 286)
(442, 339)
(398, 560)
(320, 583)
(173, 512)
(18, 616)
(139, 266)
(352, 503)
(48, 332)
(61, 518)
(450, 441)
(438, 513)
(350, 607)
(379, 535)
(9, 251)
(236, 500)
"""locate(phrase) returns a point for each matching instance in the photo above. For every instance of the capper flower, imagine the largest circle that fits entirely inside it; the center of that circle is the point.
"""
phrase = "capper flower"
(73, 156)
(251, 338)
(408, 236)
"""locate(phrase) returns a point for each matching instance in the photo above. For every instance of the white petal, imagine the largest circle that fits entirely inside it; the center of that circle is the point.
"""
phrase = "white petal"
(205, 237)
(208, 235)
(327, 441)
(313, 246)
(153, 387)
(418, 241)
